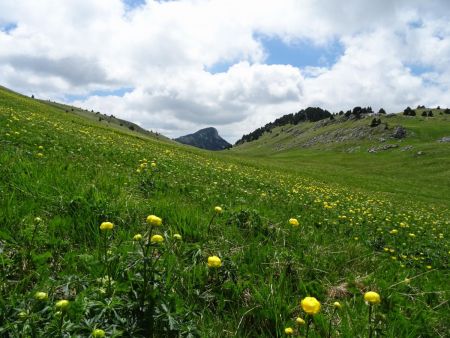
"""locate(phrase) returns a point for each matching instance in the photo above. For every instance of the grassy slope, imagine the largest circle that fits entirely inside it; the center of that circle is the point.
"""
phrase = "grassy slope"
(402, 174)
(85, 173)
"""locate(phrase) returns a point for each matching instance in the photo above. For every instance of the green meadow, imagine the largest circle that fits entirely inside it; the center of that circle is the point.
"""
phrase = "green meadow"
(76, 193)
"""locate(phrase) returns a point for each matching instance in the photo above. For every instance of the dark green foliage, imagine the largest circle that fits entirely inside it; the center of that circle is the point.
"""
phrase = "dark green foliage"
(409, 112)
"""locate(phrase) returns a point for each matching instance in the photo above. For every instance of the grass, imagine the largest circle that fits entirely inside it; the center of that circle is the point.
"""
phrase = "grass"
(400, 172)
(63, 175)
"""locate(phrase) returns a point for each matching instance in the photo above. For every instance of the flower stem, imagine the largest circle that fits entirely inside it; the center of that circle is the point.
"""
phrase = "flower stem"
(210, 222)
(308, 325)
(61, 321)
(370, 321)
(329, 325)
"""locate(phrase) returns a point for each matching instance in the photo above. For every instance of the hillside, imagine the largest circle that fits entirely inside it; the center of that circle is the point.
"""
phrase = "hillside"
(107, 120)
(207, 138)
(106, 229)
(403, 155)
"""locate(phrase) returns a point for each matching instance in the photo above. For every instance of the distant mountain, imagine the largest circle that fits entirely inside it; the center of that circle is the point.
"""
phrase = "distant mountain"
(207, 138)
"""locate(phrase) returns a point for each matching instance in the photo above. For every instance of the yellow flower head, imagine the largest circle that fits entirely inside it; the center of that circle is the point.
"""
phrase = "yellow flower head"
(337, 305)
(41, 296)
(300, 321)
(156, 239)
(218, 210)
(106, 226)
(294, 222)
(310, 305)
(289, 331)
(98, 333)
(40, 155)
(153, 164)
(62, 304)
(177, 237)
(214, 262)
(137, 237)
(154, 220)
(372, 297)
(37, 220)
(22, 315)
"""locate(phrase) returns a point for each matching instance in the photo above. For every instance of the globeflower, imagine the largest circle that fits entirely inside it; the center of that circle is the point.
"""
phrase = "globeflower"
(154, 220)
(214, 262)
(300, 321)
(106, 226)
(156, 239)
(372, 297)
(218, 210)
(337, 305)
(41, 295)
(293, 222)
(289, 331)
(137, 237)
(62, 304)
(98, 333)
(177, 237)
(310, 305)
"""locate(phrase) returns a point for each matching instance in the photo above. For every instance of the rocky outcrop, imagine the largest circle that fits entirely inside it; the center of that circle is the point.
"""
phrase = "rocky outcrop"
(399, 132)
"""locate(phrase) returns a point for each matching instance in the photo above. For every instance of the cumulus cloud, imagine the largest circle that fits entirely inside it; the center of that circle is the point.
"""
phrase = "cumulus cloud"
(165, 51)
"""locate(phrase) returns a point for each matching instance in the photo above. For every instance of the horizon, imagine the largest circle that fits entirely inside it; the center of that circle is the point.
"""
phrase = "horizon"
(154, 63)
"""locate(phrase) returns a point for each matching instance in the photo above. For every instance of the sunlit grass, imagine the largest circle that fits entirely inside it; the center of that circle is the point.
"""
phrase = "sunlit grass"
(237, 245)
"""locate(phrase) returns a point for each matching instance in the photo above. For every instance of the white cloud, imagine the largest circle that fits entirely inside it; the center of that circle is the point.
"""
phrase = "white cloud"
(163, 50)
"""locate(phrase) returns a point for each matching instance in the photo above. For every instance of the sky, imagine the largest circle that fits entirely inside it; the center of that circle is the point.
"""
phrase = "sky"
(177, 66)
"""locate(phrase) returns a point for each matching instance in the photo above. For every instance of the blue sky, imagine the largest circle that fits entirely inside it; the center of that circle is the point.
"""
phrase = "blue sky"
(133, 3)
(121, 91)
(8, 27)
(301, 53)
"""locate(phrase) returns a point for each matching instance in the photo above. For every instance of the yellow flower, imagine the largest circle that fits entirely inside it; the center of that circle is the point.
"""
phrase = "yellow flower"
(137, 237)
(214, 262)
(41, 295)
(156, 239)
(372, 297)
(153, 164)
(62, 304)
(178, 237)
(294, 222)
(337, 305)
(41, 147)
(106, 226)
(289, 331)
(310, 305)
(300, 321)
(39, 155)
(22, 315)
(154, 220)
(37, 220)
(393, 231)
(98, 333)
(218, 210)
